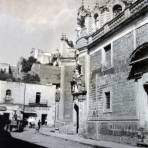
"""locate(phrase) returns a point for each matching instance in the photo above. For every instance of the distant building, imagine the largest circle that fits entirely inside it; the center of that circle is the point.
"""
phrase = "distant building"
(34, 100)
(4, 68)
(41, 56)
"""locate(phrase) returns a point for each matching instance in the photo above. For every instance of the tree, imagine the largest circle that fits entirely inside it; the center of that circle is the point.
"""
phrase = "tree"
(27, 64)
(31, 60)
(6, 76)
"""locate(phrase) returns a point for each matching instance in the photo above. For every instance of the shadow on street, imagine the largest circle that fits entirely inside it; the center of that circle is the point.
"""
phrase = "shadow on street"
(7, 141)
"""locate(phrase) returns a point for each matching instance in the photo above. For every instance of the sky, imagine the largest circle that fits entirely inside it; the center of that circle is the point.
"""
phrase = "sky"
(27, 24)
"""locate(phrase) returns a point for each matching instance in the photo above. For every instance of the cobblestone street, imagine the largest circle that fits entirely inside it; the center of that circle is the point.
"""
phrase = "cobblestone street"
(46, 141)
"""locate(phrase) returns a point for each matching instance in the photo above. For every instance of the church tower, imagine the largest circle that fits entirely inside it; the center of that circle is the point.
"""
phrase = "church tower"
(92, 15)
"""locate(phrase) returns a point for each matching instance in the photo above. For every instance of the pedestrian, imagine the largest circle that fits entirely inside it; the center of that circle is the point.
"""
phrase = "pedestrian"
(38, 126)
(46, 122)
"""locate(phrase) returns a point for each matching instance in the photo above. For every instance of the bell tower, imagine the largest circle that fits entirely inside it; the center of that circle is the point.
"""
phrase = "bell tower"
(93, 14)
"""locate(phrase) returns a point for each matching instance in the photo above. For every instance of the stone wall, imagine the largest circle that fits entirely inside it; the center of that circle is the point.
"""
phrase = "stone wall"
(142, 35)
(48, 74)
(67, 96)
(111, 125)
(83, 101)
(95, 66)
(118, 131)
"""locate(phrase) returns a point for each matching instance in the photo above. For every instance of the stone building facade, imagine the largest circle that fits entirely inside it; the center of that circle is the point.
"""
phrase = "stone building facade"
(116, 78)
(92, 17)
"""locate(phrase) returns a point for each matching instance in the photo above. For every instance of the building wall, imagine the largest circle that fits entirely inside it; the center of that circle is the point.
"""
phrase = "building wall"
(67, 96)
(47, 93)
(121, 122)
(65, 105)
(17, 91)
(83, 104)
(22, 93)
(48, 74)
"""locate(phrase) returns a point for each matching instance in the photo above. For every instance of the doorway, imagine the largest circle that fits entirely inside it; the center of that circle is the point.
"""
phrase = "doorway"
(44, 119)
(76, 107)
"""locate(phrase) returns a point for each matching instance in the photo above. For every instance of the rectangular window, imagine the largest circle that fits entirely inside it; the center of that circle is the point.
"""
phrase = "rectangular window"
(107, 97)
(107, 56)
(38, 97)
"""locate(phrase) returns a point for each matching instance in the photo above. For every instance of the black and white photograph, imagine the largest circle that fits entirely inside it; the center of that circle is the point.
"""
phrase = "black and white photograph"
(73, 73)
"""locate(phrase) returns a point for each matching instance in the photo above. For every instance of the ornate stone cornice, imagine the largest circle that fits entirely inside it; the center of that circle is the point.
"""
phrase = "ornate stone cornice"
(123, 18)
(130, 13)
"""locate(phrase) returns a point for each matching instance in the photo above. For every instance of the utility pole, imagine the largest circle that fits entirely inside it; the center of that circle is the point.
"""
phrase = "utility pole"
(24, 102)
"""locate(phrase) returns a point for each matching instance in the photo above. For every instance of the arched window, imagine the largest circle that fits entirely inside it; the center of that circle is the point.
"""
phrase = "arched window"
(117, 9)
(8, 92)
(138, 61)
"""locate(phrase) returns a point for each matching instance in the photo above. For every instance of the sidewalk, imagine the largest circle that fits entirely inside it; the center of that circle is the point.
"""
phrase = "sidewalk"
(79, 139)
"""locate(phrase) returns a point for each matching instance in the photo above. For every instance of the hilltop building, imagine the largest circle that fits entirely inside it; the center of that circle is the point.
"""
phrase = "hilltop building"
(41, 56)
(4, 68)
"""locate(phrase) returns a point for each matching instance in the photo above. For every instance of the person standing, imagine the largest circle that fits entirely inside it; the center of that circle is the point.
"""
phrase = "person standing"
(38, 126)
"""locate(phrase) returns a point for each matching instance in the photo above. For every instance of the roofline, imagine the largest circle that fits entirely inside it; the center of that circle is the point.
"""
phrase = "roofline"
(50, 84)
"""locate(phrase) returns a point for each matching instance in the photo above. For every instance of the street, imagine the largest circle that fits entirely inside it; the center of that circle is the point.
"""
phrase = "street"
(30, 138)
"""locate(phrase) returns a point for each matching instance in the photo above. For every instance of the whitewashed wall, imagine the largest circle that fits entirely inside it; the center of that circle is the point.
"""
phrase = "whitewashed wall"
(27, 92)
